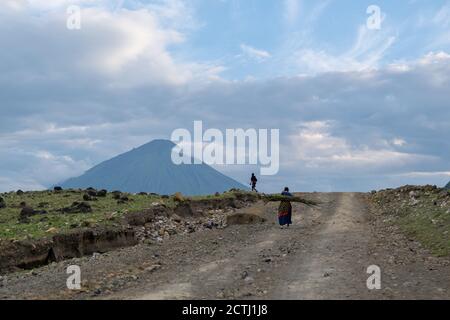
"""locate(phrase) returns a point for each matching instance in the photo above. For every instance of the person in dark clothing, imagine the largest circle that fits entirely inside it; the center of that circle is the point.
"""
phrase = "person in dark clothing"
(285, 210)
(253, 181)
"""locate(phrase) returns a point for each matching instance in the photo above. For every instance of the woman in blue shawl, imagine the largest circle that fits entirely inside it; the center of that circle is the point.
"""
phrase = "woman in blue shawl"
(285, 209)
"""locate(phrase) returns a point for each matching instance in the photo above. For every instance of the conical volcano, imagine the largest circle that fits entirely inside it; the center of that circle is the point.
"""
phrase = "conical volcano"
(149, 168)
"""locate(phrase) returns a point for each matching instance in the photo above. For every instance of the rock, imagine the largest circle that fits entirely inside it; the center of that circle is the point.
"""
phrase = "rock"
(178, 197)
(19, 192)
(91, 192)
(77, 207)
(102, 193)
(95, 256)
(176, 218)
(87, 197)
(57, 189)
(142, 194)
(25, 214)
(51, 230)
(2, 203)
(153, 268)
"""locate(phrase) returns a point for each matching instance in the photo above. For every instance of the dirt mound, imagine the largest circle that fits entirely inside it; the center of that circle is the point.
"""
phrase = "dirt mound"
(140, 218)
(244, 218)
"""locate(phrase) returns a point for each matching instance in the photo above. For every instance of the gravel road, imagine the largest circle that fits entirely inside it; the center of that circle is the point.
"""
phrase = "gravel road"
(323, 255)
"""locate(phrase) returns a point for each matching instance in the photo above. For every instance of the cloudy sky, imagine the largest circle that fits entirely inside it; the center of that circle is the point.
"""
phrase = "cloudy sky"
(357, 108)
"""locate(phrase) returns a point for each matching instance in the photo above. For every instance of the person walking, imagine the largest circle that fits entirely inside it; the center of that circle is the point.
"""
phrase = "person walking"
(253, 181)
(285, 210)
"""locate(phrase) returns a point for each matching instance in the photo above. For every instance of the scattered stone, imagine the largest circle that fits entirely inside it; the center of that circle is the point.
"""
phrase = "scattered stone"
(27, 212)
(91, 192)
(87, 197)
(153, 268)
(77, 207)
(95, 256)
(51, 230)
(102, 193)
(176, 218)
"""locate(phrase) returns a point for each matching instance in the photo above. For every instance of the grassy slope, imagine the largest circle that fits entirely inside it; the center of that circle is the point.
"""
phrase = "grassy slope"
(106, 211)
(427, 221)
(432, 228)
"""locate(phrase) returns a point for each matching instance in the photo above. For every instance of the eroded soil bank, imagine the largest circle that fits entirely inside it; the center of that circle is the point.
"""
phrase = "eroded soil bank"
(151, 225)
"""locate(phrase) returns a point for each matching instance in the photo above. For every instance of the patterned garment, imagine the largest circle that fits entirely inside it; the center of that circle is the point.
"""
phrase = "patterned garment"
(285, 211)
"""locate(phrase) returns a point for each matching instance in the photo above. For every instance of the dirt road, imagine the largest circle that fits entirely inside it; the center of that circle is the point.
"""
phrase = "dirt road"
(324, 255)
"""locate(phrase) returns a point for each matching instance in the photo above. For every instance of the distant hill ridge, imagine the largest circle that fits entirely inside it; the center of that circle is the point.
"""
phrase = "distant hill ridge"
(149, 168)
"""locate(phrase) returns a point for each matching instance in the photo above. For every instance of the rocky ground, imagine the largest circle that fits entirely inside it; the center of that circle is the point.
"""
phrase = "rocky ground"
(324, 255)
(421, 212)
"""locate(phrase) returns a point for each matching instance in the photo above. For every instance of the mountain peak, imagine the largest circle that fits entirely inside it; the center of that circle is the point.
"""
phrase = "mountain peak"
(149, 168)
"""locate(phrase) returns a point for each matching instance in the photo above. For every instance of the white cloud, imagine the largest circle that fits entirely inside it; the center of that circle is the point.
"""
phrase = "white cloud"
(291, 11)
(253, 53)
(366, 53)
(317, 147)
(124, 48)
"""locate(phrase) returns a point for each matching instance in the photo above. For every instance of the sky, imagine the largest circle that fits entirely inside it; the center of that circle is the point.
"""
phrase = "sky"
(358, 108)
